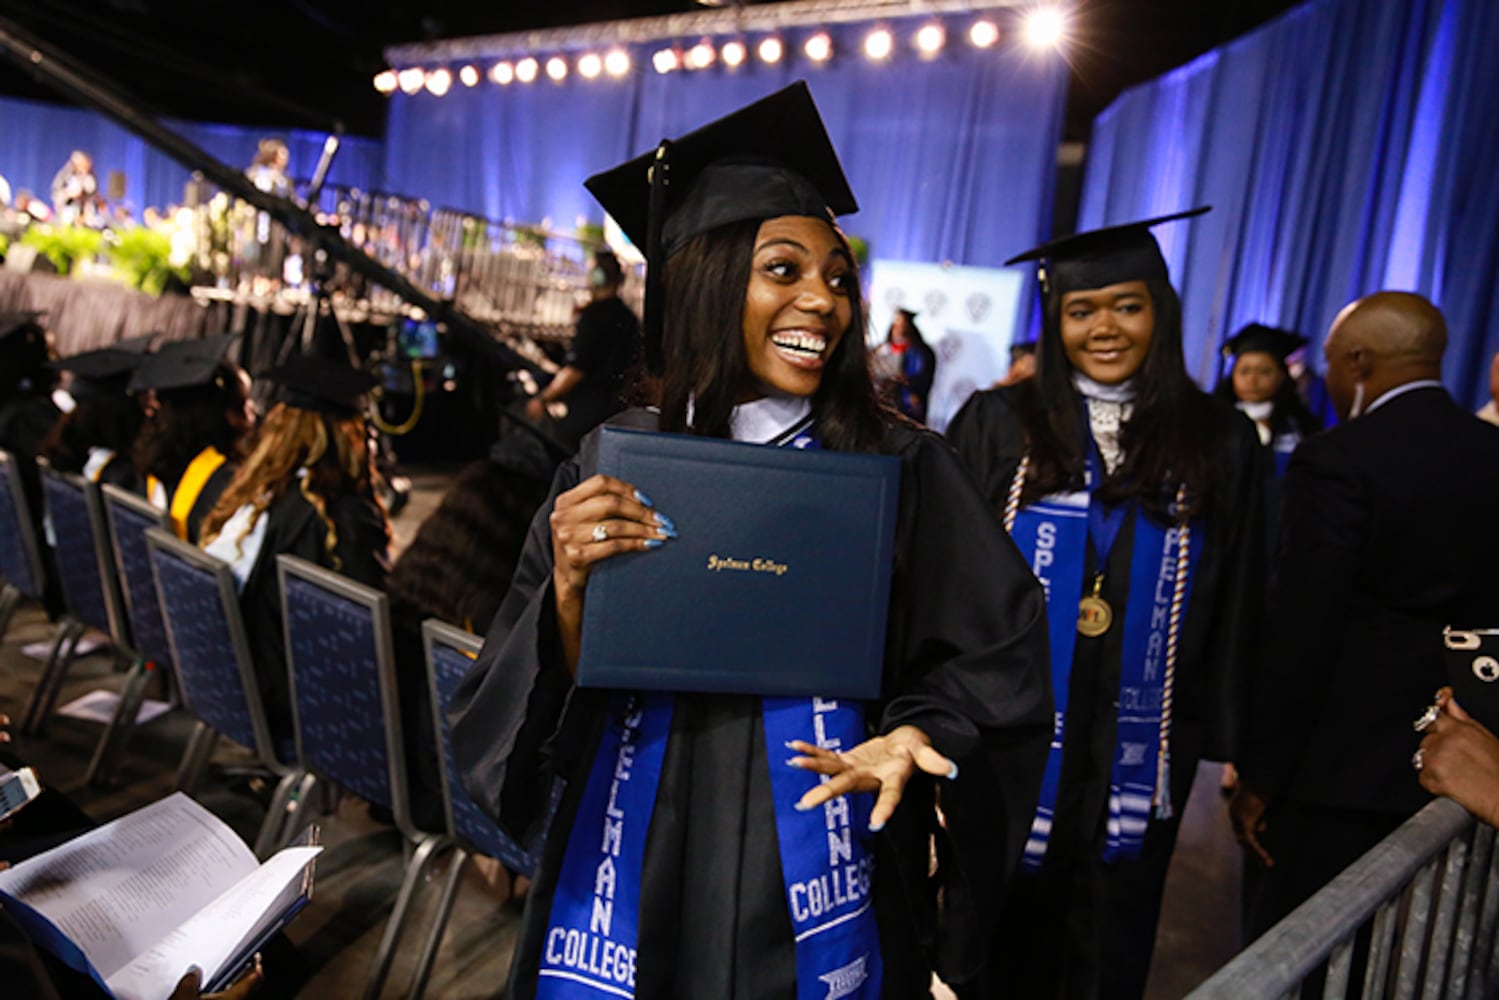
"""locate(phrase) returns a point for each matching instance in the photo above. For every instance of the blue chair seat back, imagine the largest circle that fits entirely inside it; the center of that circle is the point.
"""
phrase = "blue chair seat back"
(20, 562)
(200, 612)
(76, 544)
(450, 655)
(129, 518)
(338, 649)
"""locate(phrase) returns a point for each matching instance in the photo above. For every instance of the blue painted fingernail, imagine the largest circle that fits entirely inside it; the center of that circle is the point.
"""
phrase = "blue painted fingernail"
(952, 772)
(668, 532)
(792, 762)
(643, 499)
(653, 543)
(876, 827)
(791, 744)
(665, 521)
(801, 808)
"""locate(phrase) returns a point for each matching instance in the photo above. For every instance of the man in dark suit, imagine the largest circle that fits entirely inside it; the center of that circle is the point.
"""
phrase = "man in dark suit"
(1388, 533)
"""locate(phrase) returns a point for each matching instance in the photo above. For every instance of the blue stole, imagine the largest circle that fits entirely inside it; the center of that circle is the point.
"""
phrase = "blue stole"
(1052, 534)
(827, 857)
(1281, 447)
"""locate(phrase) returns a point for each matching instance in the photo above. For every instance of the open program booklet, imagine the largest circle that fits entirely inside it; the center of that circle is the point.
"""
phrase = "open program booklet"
(158, 890)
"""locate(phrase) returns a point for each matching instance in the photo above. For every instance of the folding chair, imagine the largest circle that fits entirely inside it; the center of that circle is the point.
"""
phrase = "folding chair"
(205, 631)
(450, 653)
(85, 570)
(20, 559)
(127, 519)
(348, 719)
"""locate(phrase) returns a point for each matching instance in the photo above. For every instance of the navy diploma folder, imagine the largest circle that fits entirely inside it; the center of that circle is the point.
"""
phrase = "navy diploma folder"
(779, 581)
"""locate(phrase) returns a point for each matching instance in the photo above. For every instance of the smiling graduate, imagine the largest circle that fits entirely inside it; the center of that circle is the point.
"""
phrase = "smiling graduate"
(1137, 496)
(678, 864)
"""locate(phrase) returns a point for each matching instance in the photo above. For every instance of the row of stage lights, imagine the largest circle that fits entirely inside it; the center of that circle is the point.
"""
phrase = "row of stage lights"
(1043, 28)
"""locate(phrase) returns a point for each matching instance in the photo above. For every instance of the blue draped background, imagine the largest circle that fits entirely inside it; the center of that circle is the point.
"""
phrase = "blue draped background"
(1347, 147)
(951, 159)
(36, 138)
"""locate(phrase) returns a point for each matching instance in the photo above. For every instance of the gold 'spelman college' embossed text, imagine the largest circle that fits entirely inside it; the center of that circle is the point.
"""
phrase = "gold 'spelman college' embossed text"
(718, 564)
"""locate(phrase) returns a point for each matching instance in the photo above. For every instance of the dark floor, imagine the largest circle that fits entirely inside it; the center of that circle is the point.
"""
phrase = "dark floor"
(337, 936)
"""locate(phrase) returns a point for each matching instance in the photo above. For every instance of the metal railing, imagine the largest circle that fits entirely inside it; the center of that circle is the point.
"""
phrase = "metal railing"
(1428, 894)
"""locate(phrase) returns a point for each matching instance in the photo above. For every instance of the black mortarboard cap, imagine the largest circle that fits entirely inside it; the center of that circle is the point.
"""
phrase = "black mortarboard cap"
(1102, 257)
(183, 364)
(1257, 337)
(107, 371)
(322, 385)
(22, 337)
(769, 159)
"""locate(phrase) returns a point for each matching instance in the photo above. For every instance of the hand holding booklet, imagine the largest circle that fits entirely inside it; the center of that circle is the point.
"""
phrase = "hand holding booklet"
(156, 891)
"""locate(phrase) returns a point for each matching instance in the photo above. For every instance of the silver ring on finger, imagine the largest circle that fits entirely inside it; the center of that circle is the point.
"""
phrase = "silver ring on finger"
(1418, 759)
(600, 532)
(1427, 720)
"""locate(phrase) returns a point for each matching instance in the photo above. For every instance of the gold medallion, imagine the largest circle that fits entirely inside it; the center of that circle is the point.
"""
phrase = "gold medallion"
(1094, 616)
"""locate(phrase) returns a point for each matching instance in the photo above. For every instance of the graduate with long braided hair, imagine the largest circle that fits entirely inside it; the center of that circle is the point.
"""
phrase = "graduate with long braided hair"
(1135, 497)
(305, 490)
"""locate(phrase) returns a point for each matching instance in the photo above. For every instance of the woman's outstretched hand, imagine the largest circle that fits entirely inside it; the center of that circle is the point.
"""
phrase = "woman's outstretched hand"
(599, 518)
(883, 764)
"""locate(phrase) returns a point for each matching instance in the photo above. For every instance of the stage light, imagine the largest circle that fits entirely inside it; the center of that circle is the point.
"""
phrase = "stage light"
(733, 54)
(983, 34)
(617, 62)
(386, 82)
(525, 70)
(701, 55)
(469, 75)
(557, 69)
(666, 60)
(819, 47)
(439, 81)
(502, 73)
(411, 80)
(878, 43)
(930, 39)
(1045, 27)
(771, 50)
(590, 65)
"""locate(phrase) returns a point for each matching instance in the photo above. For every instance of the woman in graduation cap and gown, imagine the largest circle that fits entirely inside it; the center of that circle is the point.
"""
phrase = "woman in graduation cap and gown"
(761, 339)
(193, 442)
(305, 490)
(95, 440)
(1135, 498)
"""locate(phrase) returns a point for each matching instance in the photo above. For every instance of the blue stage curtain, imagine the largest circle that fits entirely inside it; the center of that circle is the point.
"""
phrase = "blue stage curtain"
(1346, 147)
(951, 159)
(36, 139)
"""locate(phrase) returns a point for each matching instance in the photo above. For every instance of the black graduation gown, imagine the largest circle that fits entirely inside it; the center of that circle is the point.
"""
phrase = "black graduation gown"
(1105, 915)
(295, 529)
(966, 661)
(208, 497)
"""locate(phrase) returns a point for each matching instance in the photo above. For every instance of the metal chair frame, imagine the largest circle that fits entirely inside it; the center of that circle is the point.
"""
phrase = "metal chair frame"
(282, 809)
(422, 849)
(72, 626)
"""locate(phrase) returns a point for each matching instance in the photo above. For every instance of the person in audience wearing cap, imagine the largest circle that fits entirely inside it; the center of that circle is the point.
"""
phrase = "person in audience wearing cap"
(911, 365)
(605, 346)
(754, 326)
(306, 489)
(193, 441)
(1135, 498)
(27, 415)
(96, 439)
(1259, 383)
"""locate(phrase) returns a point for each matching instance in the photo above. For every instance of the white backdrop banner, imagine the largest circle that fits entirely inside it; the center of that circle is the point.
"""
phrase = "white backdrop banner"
(966, 314)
